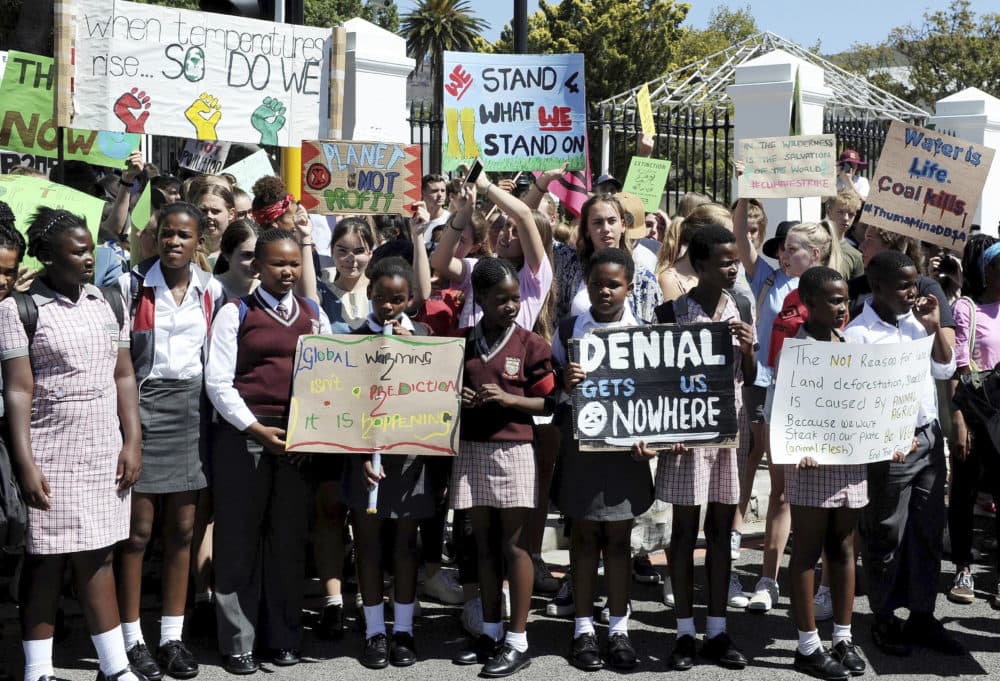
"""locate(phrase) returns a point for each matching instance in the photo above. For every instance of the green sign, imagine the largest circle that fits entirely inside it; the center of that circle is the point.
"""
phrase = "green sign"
(646, 179)
(25, 195)
(27, 117)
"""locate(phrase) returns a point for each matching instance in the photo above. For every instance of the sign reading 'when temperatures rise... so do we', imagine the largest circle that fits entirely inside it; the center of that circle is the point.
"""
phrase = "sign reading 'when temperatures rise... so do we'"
(663, 384)
(354, 394)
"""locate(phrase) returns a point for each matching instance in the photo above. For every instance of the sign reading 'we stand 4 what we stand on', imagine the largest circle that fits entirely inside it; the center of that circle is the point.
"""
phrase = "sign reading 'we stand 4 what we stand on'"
(359, 177)
(662, 384)
(514, 111)
(354, 394)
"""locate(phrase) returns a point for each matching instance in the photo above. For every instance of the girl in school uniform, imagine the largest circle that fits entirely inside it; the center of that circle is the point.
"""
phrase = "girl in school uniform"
(72, 409)
(508, 375)
(261, 493)
(234, 270)
(172, 303)
(601, 492)
(217, 203)
(691, 478)
(404, 494)
(826, 503)
(345, 299)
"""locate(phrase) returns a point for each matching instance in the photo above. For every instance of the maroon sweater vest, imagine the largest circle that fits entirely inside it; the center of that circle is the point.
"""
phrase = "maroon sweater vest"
(265, 354)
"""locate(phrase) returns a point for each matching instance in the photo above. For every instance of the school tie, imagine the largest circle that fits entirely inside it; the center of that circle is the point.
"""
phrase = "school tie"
(282, 312)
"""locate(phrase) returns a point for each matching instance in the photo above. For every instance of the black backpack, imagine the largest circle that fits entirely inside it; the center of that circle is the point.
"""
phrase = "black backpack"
(27, 308)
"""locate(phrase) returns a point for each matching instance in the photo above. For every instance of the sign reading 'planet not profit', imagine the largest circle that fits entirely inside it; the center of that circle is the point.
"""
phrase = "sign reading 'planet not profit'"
(354, 394)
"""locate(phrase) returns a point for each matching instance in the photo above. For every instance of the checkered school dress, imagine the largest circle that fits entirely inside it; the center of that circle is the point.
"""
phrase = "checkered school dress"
(827, 486)
(75, 436)
(496, 474)
(706, 474)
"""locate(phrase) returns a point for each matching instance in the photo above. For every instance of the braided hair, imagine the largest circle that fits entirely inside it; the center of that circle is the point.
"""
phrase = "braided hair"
(391, 267)
(10, 238)
(47, 225)
(269, 236)
(182, 208)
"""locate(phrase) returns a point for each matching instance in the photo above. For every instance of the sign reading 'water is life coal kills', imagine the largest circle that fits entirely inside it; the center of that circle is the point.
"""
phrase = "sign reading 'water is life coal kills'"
(662, 384)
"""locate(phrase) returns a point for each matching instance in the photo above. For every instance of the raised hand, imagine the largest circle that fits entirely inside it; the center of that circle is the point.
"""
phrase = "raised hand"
(204, 114)
(132, 109)
(268, 119)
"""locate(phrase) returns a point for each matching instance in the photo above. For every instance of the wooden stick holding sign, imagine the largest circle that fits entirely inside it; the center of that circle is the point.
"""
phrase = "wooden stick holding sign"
(662, 384)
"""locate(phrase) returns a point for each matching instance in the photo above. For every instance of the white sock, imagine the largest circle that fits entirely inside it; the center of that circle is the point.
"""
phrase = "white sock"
(171, 627)
(37, 659)
(132, 634)
(822, 589)
(714, 626)
(493, 629)
(333, 600)
(517, 640)
(111, 655)
(403, 618)
(204, 597)
(841, 632)
(584, 625)
(618, 625)
(809, 642)
(685, 627)
(374, 620)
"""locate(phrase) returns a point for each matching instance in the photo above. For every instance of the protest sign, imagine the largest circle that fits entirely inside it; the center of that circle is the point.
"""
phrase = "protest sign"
(204, 157)
(164, 71)
(250, 169)
(27, 107)
(847, 403)
(9, 160)
(355, 394)
(25, 195)
(514, 111)
(359, 177)
(646, 179)
(645, 111)
(663, 384)
(927, 185)
(787, 167)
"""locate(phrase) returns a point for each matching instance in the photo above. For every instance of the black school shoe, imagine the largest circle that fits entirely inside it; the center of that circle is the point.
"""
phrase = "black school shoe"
(682, 657)
(619, 653)
(887, 634)
(241, 665)
(402, 649)
(174, 658)
(331, 623)
(927, 632)
(113, 677)
(376, 652)
(508, 661)
(821, 665)
(141, 660)
(585, 655)
(723, 652)
(285, 657)
(479, 651)
(846, 653)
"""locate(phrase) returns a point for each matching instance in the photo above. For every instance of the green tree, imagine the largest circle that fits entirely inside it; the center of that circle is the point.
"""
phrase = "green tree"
(431, 29)
(725, 28)
(953, 49)
(624, 42)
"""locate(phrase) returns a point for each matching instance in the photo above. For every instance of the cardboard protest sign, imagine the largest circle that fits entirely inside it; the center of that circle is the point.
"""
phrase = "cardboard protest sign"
(663, 384)
(25, 195)
(250, 169)
(27, 108)
(927, 185)
(359, 177)
(847, 403)
(645, 111)
(514, 111)
(646, 179)
(164, 71)
(787, 167)
(204, 157)
(356, 394)
(9, 160)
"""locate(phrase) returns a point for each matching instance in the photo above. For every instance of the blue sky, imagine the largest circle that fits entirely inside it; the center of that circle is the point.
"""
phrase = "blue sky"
(837, 24)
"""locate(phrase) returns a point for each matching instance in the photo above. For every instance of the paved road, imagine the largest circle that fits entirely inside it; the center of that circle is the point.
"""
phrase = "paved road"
(769, 639)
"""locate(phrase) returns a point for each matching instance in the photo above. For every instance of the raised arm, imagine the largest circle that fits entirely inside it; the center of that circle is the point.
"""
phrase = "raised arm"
(744, 244)
(308, 286)
(443, 259)
(520, 214)
(421, 265)
(540, 186)
(117, 220)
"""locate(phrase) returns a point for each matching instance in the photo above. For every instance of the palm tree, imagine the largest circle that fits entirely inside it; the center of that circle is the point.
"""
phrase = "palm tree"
(433, 27)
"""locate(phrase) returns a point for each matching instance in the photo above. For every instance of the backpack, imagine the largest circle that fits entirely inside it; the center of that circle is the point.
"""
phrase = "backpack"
(27, 308)
(666, 314)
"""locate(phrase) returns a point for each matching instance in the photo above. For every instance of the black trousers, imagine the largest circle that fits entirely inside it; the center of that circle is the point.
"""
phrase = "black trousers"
(979, 471)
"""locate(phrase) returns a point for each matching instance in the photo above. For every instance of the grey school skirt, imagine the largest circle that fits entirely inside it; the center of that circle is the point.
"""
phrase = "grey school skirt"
(173, 436)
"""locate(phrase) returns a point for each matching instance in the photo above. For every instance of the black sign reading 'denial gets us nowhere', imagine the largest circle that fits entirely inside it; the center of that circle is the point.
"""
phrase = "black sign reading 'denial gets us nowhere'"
(663, 384)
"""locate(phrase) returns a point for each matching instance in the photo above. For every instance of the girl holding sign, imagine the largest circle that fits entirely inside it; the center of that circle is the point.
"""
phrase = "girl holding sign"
(826, 503)
(690, 478)
(508, 375)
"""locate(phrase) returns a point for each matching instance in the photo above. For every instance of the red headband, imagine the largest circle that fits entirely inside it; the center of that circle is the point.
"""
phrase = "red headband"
(268, 214)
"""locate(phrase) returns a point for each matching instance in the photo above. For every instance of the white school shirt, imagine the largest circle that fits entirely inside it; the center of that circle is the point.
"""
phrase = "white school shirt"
(870, 328)
(375, 327)
(220, 371)
(584, 324)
